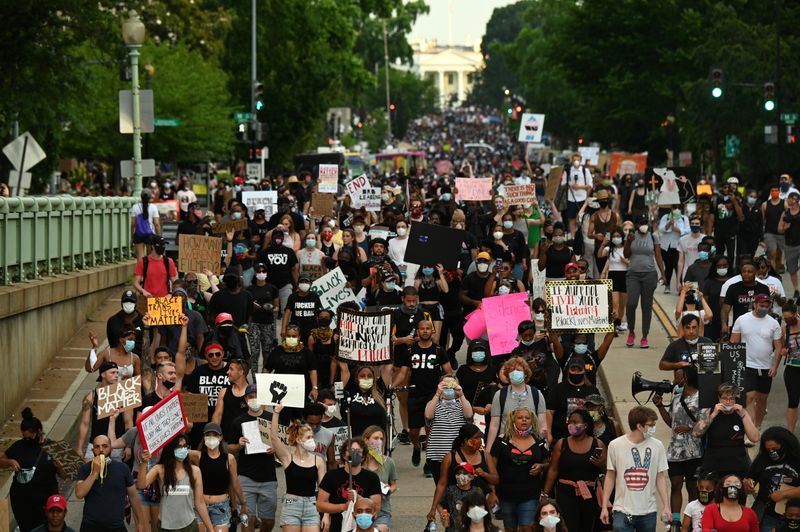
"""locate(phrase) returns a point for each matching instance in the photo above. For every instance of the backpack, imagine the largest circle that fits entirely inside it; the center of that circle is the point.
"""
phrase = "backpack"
(146, 260)
(142, 228)
(504, 396)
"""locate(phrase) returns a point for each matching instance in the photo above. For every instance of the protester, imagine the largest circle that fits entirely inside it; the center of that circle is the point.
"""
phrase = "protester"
(643, 250)
(382, 465)
(446, 412)
(730, 513)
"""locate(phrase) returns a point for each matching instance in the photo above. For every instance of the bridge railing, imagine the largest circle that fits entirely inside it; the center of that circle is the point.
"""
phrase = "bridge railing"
(48, 235)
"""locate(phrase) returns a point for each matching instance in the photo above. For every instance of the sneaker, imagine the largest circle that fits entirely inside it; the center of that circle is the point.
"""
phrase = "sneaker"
(426, 470)
(403, 438)
(622, 327)
(415, 456)
(631, 339)
(666, 289)
(644, 344)
(422, 439)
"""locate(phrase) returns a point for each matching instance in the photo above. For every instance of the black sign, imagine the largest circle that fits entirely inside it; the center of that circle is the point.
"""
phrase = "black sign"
(430, 244)
(708, 383)
(733, 358)
(708, 358)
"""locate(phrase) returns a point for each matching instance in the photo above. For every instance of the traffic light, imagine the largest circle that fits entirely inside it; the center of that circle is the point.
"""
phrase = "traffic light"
(769, 96)
(791, 136)
(717, 81)
(258, 96)
(391, 107)
(518, 109)
(260, 120)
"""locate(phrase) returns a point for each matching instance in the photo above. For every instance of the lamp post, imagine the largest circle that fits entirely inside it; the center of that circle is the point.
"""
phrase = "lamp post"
(133, 35)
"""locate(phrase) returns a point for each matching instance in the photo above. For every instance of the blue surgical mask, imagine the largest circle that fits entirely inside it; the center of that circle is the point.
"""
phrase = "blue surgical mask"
(702, 255)
(517, 376)
(696, 229)
(616, 240)
(712, 250)
(181, 453)
(446, 196)
(364, 521)
(129, 345)
(427, 271)
(449, 393)
(478, 356)
(508, 224)
(527, 342)
(391, 285)
(581, 349)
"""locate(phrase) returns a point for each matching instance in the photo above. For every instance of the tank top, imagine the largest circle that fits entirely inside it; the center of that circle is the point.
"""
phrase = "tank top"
(609, 432)
(177, 506)
(615, 256)
(328, 251)
(576, 466)
(216, 477)
(638, 204)
(233, 406)
(772, 217)
(100, 426)
(126, 371)
(431, 293)
(604, 227)
(301, 481)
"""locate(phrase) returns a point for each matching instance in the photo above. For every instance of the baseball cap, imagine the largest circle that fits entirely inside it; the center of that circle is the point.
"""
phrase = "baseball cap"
(251, 388)
(105, 366)
(222, 317)
(571, 265)
(260, 266)
(576, 362)
(595, 399)
(483, 255)
(129, 296)
(260, 207)
(212, 427)
(304, 277)
(56, 501)
(466, 466)
(760, 298)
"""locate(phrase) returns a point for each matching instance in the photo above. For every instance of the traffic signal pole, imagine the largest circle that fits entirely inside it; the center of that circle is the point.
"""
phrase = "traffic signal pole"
(778, 105)
(253, 72)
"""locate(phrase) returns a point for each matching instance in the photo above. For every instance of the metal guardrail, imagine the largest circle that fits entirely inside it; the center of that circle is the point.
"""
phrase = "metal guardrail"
(48, 235)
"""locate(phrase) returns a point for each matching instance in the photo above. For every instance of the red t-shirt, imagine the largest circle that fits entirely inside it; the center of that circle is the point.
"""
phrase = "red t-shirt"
(712, 520)
(156, 280)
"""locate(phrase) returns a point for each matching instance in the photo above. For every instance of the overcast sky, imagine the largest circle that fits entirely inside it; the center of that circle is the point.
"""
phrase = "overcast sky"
(469, 20)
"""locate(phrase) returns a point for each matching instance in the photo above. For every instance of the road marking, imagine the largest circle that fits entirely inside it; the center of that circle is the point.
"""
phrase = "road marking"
(672, 332)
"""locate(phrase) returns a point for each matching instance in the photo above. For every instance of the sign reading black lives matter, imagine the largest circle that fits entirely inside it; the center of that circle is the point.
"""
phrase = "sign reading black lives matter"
(579, 306)
(365, 337)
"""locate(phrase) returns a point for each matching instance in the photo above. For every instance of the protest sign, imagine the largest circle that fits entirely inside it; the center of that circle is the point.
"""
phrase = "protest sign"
(708, 358)
(286, 388)
(538, 278)
(195, 406)
(168, 211)
(365, 337)
(368, 198)
(267, 198)
(165, 310)
(621, 163)
(323, 204)
(199, 253)
(479, 420)
(579, 306)
(531, 127)
(503, 314)
(553, 182)
(328, 178)
(590, 155)
(707, 386)
(473, 188)
(356, 184)
(431, 244)
(340, 435)
(221, 228)
(125, 395)
(161, 423)
(264, 424)
(64, 453)
(314, 271)
(520, 194)
(256, 441)
(332, 289)
(733, 358)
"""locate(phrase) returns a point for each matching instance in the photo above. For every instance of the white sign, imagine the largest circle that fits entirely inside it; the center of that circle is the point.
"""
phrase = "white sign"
(146, 114)
(328, 178)
(148, 168)
(24, 147)
(267, 198)
(531, 127)
(256, 443)
(356, 184)
(365, 337)
(579, 306)
(369, 198)
(590, 154)
(537, 280)
(161, 423)
(254, 170)
(332, 290)
(274, 388)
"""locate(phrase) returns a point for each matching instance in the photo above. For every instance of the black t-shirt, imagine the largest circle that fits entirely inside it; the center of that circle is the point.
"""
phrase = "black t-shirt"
(467, 245)
(769, 476)
(263, 295)
(365, 411)
(514, 465)
(104, 505)
(258, 230)
(725, 450)
(792, 232)
(29, 453)
(303, 310)
(426, 367)
(517, 245)
(209, 381)
(471, 380)
(336, 482)
(741, 297)
(382, 298)
(557, 260)
(279, 260)
(239, 305)
(404, 324)
(473, 285)
(563, 399)
(681, 351)
(298, 363)
(257, 467)
(188, 227)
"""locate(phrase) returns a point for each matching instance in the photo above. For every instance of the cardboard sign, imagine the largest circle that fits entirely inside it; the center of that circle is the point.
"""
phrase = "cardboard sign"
(473, 188)
(125, 395)
(531, 127)
(708, 358)
(553, 182)
(368, 198)
(621, 163)
(64, 453)
(199, 253)
(579, 306)
(168, 211)
(332, 290)
(356, 184)
(590, 155)
(733, 358)
(286, 388)
(195, 406)
(328, 178)
(365, 337)
(165, 310)
(220, 228)
(520, 194)
(263, 431)
(267, 198)
(162, 423)
(430, 244)
(503, 314)
(323, 204)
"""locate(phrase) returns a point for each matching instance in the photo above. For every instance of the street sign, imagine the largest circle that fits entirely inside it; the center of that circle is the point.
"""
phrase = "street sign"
(789, 118)
(242, 117)
(254, 170)
(16, 184)
(167, 122)
(148, 168)
(146, 113)
(770, 134)
(732, 145)
(24, 152)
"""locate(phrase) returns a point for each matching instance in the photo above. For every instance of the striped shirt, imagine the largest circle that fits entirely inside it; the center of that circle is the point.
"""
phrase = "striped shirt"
(448, 417)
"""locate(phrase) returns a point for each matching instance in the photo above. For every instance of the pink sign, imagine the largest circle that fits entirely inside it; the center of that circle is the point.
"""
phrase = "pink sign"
(475, 326)
(473, 188)
(503, 315)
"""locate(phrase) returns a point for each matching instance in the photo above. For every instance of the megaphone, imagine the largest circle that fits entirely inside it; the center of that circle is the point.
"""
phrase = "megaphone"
(640, 384)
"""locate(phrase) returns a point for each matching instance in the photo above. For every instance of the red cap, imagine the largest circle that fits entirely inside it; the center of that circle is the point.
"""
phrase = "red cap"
(56, 501)
(209, 347)
(469, 468)
(239, 180)
(760, 298)
(571, 265)
(223, 317)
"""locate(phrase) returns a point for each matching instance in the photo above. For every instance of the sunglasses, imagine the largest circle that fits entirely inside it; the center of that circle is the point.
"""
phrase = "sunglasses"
(214, 354)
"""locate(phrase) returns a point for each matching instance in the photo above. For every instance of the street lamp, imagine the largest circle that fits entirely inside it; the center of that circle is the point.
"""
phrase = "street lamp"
(133, 35)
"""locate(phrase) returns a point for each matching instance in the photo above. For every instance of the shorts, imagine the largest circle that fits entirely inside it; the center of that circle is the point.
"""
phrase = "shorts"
(191, 527)
(436, 311)
(384, 518)
(685, 468)
(150, 496)
(140, 239)
(261, 497)
(792, 257)
(757, 380)
(791, 378)
(774, 242)
(219, 513)
(572, 209)
(299, 511)
(618, 281)
(416, 412)
(518, 513)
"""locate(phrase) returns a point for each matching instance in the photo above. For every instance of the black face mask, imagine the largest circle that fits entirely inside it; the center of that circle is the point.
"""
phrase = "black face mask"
(576, 378)
(731, 492)
(793, 524)
(231, 282)
(775, 455)
(159, 249)
(704, 497)
(169, 385)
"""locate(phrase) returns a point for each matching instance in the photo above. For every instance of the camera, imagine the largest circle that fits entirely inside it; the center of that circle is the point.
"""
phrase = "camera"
(640, 384)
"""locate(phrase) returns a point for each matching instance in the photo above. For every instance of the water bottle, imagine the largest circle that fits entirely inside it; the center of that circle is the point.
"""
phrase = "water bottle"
(431, 526)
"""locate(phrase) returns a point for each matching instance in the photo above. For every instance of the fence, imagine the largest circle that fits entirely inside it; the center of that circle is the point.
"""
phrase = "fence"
(48, 235)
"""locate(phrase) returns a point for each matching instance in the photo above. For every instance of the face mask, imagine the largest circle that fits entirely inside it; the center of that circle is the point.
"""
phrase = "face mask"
(676, 213)
(523, 433)
(603, 204)
(731, 492)
(181, 453)
(310, 242)
(775, 455)
(517, 376)
(261, 276)
(376, 445)
(252, 404)
(702, 255)
(384, 197)
(159, 249)
(712, 250)
(550, 521)
(576, 378)
(291, 342)
(691, 342)
(527, 342)
(581, 349)
(649, 432)
(508, 224)
(751, 200)
(401, 231)
(482, 267)
(761, 312)
(576, 163)
(503, 290)
(365, 384)
(704, 497)
(774, 194)
(309, 444)
(497, 235)
(784, 187)
(616, 241)
(539, 316)
(236, 215)
(169, 385)
(449, 393)
(355, 457)
(478, 356)
(498, 206)
(597, 415)
(727, 408)
(364, 521)
(358, 229)
(427, 271)
(695, 228)
(128, 308)
(416, 212)
(446, 196)
(722, 271)
(643, 229)
(212, 442)
(477, 513)
(576, 429)
(793, 524)
(391, 285)
(304, 287)
(129, 345)
(462, 479)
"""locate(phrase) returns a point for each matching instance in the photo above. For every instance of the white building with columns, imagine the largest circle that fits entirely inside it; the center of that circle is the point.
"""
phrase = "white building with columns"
(452, 68)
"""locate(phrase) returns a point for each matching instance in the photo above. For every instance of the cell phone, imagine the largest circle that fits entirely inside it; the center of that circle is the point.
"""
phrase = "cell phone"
(597, 451)
(608, 236)
(498, 264)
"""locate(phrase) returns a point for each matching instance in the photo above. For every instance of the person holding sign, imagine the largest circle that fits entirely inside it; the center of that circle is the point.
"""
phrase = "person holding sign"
(292, 357)
(90, 425)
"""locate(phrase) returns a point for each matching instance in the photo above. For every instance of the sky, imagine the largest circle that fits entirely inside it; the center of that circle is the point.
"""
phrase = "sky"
(469, 20)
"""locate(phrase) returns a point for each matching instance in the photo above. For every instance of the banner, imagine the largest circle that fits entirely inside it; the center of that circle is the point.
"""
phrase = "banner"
(368, 198)
(589, 154)
(159, 425)
(708, 358)
(531, 127)
(365, 337)
(220, 228)
(165, 310)
(356, 184)
(579, 306)
(328, 178)
(473, 188)
(195, 406)
(64, 453)
(286, 388)
(323, 204)
(125, 395)
(538, 278)
(199, 253)
(519, 194)
(267, 198)
(621, 163)
(332, 290)
(503, 314)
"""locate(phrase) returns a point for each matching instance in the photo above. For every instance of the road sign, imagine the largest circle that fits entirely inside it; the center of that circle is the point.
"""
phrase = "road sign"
(24, 152)
(167, 122)
(770, 134)
(732, 145)
(145, 111)
(789, 118)
(242, 117)
(148, 168)
(254, 170)
(16, 184)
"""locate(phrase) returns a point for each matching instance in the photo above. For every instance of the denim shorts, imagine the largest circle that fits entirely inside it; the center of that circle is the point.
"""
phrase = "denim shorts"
(219, 513)
(518, 513)
(261, 497)
(384, 518)
(299, 511)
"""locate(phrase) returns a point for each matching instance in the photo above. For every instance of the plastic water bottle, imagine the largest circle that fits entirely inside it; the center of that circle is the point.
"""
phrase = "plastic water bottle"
(432, 526)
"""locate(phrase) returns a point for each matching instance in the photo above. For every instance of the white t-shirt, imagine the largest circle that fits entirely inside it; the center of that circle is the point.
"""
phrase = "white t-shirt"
(699, 313)
(723, 291)
(637, 465)
(775, 287)
(152, 214)
(397, 250)
(695, 510)
(577, 176)
(615, 262)
(688, 246)
(758, 334)
(185, 197)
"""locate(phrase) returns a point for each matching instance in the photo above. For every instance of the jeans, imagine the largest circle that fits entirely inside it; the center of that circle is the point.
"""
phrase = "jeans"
(670, 264)
(636, 523)
(262, 341)
(284, 292)
(640, 285)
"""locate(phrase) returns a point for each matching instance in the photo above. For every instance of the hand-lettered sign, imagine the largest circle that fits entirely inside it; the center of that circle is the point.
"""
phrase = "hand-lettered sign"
(473, 189)
(165, 310)
(161, 423)
(199, 253)
(503, 314)
(286, 388)
(125, 395)
(365, 337)
(579, 306)
(332, 290)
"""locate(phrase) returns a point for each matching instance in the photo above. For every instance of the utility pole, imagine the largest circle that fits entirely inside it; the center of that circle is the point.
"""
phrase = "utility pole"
(778, 97)
(388, 93)
(253, 72)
